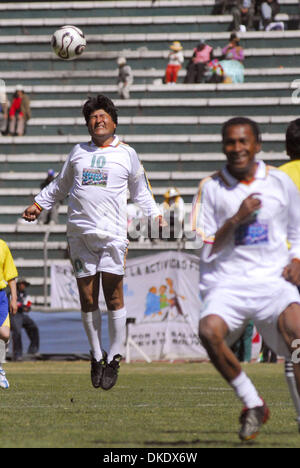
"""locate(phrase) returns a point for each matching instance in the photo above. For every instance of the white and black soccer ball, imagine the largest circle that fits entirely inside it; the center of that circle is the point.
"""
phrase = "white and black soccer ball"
(68, 42)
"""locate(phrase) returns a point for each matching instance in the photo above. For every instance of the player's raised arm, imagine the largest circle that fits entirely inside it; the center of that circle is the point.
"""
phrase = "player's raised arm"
(247, 209)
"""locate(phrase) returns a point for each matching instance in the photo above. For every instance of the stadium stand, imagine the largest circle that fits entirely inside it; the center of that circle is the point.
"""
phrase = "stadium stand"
(175, 129)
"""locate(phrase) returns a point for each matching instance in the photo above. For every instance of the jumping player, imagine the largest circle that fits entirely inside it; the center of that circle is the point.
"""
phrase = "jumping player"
(245, 213)
(96, 176)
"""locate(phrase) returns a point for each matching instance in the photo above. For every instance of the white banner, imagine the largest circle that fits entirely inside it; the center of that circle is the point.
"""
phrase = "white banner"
(64, 291)
(162, 294)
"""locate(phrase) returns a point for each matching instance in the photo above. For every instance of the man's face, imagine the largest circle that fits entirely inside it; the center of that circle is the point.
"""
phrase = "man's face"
(240, 147)
(100, 125)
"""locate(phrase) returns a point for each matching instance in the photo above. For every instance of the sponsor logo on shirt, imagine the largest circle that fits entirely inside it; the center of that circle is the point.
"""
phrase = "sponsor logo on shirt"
(92, 176)
(250, 234)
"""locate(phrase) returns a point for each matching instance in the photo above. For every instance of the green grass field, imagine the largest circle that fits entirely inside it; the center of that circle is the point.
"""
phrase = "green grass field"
(158, 405)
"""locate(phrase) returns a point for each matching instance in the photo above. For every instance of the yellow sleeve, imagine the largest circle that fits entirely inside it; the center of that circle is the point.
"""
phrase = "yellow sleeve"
(9, 269)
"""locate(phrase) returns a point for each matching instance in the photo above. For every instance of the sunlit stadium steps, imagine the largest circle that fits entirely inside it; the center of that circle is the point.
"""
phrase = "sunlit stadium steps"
(275, 106)
(115, 7)
(185, 143)
(163, 91)
(156, 124)
(123, 43)
(121, 8)
(255, 57)
(170, 162)
(147, 76)
(17, 189)
(16, 24)
(23, 197)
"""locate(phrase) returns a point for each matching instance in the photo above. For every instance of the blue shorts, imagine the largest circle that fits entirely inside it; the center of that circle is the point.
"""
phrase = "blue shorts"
(4, 316)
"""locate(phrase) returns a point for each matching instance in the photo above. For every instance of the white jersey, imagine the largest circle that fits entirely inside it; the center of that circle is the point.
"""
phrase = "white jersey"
(257, 251)
(96, 180)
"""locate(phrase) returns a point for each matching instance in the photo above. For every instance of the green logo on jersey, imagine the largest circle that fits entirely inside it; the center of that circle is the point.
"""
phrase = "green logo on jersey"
(78, 265)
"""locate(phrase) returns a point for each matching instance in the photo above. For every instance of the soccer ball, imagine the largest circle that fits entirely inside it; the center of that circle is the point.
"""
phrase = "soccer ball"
(68, 42)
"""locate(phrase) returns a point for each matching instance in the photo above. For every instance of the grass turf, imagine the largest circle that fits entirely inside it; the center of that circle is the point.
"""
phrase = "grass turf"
(157, 405)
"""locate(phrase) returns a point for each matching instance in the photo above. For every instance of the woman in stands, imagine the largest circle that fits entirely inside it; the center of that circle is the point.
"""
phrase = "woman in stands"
(232, 61)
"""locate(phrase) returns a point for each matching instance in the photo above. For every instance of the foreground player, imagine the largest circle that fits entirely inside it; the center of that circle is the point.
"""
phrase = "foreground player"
(246, 213)
(292, 169)
(96, 176)
(8, 274)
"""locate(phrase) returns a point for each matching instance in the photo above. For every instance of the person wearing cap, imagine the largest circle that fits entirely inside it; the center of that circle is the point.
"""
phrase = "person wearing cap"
(8, 275)
(176, 60)
(22, 320)
(49, 216)
(125, 78)
(202, 55)
(232, 60)
(173, 211)
(19, 112)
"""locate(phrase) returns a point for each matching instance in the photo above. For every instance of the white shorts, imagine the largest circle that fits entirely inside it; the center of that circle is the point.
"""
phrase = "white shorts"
(261, 303)
(90, 254)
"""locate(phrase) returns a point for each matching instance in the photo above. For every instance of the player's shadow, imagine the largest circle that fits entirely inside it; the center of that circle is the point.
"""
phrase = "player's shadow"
(212, 442)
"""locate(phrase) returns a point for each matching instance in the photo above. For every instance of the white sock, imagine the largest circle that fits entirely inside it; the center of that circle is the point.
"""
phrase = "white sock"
(2, 351)
(92, 325)
(117, 331)
(246, 391)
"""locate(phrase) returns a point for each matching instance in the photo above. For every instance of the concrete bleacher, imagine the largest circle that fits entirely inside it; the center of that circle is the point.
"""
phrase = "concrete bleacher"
(175, 129)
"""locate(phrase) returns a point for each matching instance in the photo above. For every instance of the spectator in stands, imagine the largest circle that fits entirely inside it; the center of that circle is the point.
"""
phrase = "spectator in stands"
(125, 78)
(243, 14)
(3, 109)
(8, 275)
(22, 320)
(176, 60)
(49, 216)
(19, 112)
(173, 210)
(268, 10)
(202, 55)
(221, 6)
(232, 61)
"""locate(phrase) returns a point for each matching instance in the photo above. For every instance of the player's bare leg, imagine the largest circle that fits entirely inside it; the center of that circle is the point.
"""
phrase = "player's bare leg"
(113, 292)
(4, 337)
(212, 332)
(88, 288)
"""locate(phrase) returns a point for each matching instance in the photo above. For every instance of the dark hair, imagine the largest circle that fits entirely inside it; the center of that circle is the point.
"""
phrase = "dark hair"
(242, 121)
(233, 37)
(292, 139)
(100, 102)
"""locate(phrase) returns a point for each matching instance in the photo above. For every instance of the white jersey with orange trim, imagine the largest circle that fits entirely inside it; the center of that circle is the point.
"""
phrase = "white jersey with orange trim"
(96, 180)
(257, 251)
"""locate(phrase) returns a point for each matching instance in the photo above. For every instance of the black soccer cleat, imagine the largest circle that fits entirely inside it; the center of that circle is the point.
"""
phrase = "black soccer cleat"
(110, 373)
(251, 420)
(97, 368)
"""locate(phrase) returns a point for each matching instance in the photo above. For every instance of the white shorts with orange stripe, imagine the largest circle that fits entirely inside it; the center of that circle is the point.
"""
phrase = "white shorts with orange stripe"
(90, 254)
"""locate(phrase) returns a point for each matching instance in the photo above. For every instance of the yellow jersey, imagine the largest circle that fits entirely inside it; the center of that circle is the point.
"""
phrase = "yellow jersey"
(292, 169)
(8, 270)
